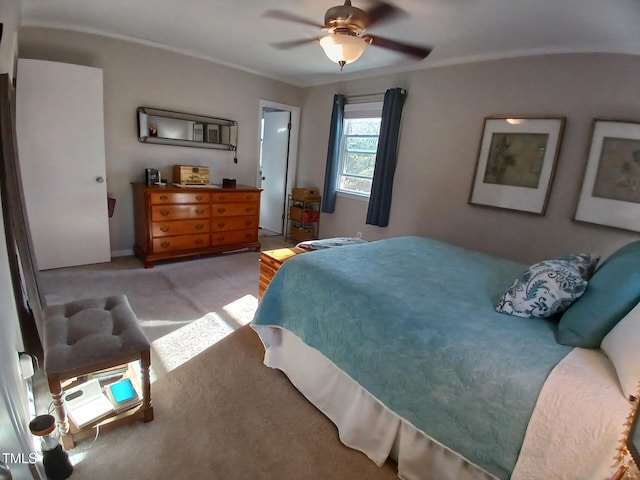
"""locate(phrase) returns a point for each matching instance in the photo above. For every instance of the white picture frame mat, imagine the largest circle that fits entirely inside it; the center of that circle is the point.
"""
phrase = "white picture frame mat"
(604, 211)
(511, 197)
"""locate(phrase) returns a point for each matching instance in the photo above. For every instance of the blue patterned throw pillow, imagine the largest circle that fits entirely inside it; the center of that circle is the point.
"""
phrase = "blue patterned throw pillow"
(549, 287)
(586, 263)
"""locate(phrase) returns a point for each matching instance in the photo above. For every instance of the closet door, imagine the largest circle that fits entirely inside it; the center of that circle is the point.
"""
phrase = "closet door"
(60, 129)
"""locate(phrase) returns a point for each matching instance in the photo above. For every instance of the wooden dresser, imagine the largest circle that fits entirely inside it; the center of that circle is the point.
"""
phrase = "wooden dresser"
(270, 262)
(173, 222)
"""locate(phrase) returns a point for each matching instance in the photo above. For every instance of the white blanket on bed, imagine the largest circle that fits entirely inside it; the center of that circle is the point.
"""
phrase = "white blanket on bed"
(577, 423)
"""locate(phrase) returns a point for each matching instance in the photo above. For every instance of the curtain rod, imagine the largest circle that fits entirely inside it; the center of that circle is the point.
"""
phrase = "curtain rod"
(364, 97)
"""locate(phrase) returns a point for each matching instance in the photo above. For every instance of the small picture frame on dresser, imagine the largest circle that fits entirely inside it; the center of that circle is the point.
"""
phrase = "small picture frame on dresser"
(152, 176)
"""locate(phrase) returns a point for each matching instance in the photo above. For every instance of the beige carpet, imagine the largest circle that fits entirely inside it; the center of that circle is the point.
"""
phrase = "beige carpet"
(224, 415)
(219, 412)
(171, 294)
(183, 306)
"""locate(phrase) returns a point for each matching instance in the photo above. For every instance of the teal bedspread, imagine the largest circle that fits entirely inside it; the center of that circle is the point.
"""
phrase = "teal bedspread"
(412, 320)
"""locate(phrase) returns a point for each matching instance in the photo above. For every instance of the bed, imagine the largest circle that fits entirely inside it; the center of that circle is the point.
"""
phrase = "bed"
(398, 342)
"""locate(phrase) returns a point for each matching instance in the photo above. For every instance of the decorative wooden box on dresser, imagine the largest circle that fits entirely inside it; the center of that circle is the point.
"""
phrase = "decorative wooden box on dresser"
(173, 222)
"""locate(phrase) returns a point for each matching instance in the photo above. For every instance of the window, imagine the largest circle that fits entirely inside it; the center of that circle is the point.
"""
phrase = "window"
(358, 147)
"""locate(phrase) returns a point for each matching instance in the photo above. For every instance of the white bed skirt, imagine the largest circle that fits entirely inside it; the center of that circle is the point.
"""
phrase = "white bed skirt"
(580, 445)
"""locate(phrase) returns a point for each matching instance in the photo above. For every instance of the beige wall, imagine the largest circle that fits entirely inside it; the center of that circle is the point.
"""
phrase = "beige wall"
(10, 19)
(442, 125)
(136, 75)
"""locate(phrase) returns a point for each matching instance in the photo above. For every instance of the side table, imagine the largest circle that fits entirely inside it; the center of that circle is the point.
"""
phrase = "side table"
(270, 262)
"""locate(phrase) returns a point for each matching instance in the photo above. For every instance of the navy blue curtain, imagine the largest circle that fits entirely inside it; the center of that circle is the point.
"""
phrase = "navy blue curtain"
(386, 158)
(333, 154)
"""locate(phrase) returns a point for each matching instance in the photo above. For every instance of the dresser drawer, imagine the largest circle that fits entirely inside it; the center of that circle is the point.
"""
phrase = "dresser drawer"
(235, 236)
(261, 289)
(179, 227)
(225, 197)
(262, 286)
(266, 273)
(221, 224)
(163, 198)
(181, 242)
(275, 258)
(178, 212)
(234, 209)
(269, 263)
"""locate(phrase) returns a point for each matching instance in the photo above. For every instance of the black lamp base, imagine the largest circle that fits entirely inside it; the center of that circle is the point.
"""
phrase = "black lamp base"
(57, 464)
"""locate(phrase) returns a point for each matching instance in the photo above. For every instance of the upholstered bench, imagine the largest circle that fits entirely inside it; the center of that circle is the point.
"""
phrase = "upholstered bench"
(87, 336)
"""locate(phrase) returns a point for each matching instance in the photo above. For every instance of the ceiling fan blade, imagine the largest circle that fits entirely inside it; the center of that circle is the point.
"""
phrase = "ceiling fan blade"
(382, 12)
(289, 17)
(295, 43)
(412, 50)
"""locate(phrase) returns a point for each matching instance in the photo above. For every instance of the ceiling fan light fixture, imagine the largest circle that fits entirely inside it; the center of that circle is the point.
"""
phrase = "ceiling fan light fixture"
(343, 49)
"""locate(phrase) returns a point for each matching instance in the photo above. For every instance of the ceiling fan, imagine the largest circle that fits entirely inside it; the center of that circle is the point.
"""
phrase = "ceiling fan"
(345, 25)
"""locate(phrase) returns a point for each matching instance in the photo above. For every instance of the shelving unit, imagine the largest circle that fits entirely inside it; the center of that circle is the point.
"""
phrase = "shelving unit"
(303, 217)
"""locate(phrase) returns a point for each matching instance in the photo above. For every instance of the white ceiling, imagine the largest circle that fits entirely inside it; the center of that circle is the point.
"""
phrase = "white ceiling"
(235, 32)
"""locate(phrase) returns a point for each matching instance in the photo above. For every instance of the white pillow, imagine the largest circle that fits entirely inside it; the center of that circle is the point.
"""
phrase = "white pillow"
(622, 346)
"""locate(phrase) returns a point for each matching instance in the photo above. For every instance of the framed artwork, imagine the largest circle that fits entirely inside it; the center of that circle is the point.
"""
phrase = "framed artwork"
(516, 163)
(610, 192)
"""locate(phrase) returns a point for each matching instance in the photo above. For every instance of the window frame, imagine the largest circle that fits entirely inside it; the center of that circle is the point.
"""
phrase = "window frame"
(355, 111)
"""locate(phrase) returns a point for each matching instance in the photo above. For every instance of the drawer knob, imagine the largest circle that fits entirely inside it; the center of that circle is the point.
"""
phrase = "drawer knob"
(221, 197)
(220, 239)
(164, 197)
(199, 241)
(248, 222)
(247, 235)
(221, 225)
(199, 211)
(165, 244)
(199, 197)
(164, 228)
(164, 213)
(222, 210)
(249, 197)
(199, 226)
(248, 209)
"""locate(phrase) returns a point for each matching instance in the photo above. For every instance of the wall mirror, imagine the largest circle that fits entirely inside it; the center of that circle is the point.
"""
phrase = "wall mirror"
(185, 129)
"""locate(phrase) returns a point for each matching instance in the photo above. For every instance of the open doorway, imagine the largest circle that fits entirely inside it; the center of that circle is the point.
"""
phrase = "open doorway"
(277, 165)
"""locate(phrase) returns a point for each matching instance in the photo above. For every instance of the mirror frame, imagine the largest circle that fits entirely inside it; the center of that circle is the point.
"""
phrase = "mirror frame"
(143, 112)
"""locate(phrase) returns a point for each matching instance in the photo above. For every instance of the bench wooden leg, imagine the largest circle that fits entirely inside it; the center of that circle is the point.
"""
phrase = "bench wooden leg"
(147, 407)
(55, 387)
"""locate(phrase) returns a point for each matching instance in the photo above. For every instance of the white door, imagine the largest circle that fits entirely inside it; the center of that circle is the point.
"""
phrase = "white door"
(60, 130)
(273, 169)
